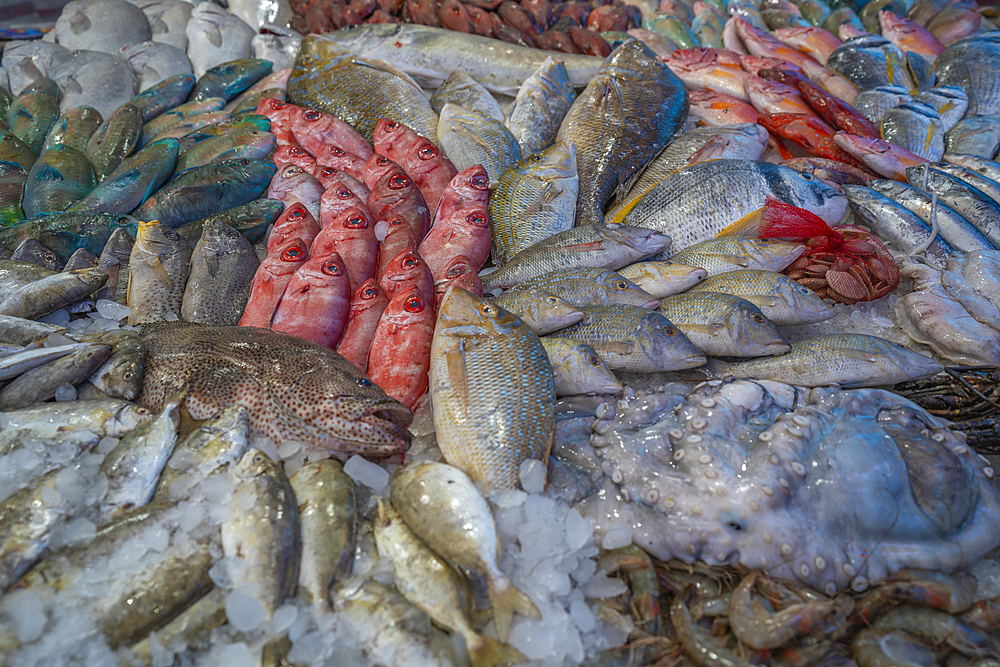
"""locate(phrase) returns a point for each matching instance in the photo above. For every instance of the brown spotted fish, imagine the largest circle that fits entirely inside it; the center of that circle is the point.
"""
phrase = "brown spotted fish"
(295, 390)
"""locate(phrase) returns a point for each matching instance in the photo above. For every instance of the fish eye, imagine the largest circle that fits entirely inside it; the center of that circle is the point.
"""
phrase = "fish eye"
(369, 293)
(456, 271)
(49, 257)
(339, 152)
(410, 262)
(391, 125)
(477, 219)
(329, 171)
(382, 160)
(758, 318)
(806, 177)
(487, 309)
(535, 158)
(312, 114)
(293, 254)
(593, 360)
(414, 304)
(395, 222)
(332, 269)
(364, 382)
(142, 411)
(804, 290)
(399, 181)
(428, 152)
(621, 284)
(552, 300)
(480, 182)
(356, 222)
(297, 151)
(292, 170)
(278, 105)
(295, 214)
(669, 331)
(128, 376)
(344, 193)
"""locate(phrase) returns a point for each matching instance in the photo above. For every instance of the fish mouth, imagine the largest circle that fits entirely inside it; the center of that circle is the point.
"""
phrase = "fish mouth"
(389, 416)
(651, 304)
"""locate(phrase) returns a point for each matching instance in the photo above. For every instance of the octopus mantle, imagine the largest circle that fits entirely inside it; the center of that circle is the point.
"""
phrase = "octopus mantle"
(834, 488)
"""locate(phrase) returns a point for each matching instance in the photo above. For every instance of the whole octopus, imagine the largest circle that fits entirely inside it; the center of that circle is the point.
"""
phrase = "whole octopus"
(833, 488)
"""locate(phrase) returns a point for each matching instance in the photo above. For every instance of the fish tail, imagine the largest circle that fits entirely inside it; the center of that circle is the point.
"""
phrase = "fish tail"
(488, 652)
(507, 600)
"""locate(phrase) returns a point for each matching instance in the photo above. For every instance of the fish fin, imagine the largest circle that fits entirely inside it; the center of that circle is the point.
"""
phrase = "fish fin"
(707, 329)
(47, 173)
(464, 130)
(488, 652)
(71, 85)
(543, 200)
(506, 602)
(860, 355)
(79, 23)
(160, 272)
(583, 247)
(612, 346)
(212, 262)
(214, 35)
(392, 69)
(457, 375)
(714, 149)
(748, 225)
(623, 190)
(761, 301)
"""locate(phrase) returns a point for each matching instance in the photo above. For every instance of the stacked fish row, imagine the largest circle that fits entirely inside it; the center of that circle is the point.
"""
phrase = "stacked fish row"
(101, 53)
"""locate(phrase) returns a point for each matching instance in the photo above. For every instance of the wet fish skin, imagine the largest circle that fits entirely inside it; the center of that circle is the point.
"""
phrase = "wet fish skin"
(12, 180)
(464, 91)
(74, 128)
(971, 203)
(263, 531)
(126, 187)
(968, 64)
(781, 299)
(660, 279)
(27, 519)
(229, 79)
(610, 246)
(880, 156)
(15, 274)
(588, 287)
(133, 467)
(399, 358)
(216, 36)
(81, 259)
(154, 61)
(115, 259)
(13, 150)
(20, 331)
(429, 168)
(951, 103)
(252, 145)
(850, 360)
(41, 383)
(53, 292)
(32, 251)
(294, 389)
(623, 119)
(542, 102)
(578, 369)
(316, 301)
(325, 498)
(121, 375)
(917, 127)
(105, 417)
(723, 325)
(164, 95)
(251, 220)
(541, 310)
(987, 186)
(58, 178)
(223, 264)
(33, 112)
(869, 61)
(367, 304)
(442, 506)
(975, 135)
(270, 280)
(177, 115)
(114, 140)
(534, 199)
(982, 166)
(470, 139)
(158, 269)
(20, 362)
(874, 102)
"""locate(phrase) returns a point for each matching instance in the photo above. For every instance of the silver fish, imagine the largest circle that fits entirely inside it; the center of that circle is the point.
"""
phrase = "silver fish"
(470, 139)
(41, 383)
(951, 103)
(970, 64)
(462, 90)
(27, 60)
(48, 294)
(781, 299)
(167, 20)
(101, 25)
(723, 325)
(216, 36)
(279, 45)
(971, 203)
(915, 126)
(872, 104)
(541, 104)
(661, 279)
(155, 61)
(578, 369)
(976, 135)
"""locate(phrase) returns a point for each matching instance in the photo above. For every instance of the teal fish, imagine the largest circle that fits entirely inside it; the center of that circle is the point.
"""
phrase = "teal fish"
(64, 232)
(138, 176)
(707, 27)
(179, 114)
(58, 178)
(203, 191)
(33, 112)
(12, 179)
(229, 146)
(12, 149)
(251, 220)
(74, 129)
(115, 140)
(230, 79)
(249, 105)
(670, 26)
(167, 94)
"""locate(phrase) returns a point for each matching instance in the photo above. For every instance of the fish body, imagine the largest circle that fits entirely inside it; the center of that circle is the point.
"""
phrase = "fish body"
(50, 293)
(660, 279)
(980, 165)
(351, 234)
(541, 310)
(461, 89)
(460, 273)
(58, 178)
(32, 251)
(723, 325)
(166, 94)
(880, 156)
(229, 79)
(470, 139)
(316, 301)
(975, 135)
(915, 126)
(33, 113)
(131, 182)
(719, 109)
(295, 222)
(252, 145)
(121, 375)
(314, 129)
(158, 270)
(874, 102)
(368, 302)
(869, 61)
(588, 287)
(470, 188)
(405, 270)
(627, 114)
(74, 128)
(909, 36)
(395, 193)
(850, 360)
(81, 259)
(215, 36)
(534, 199)
(222, 267)
(217, 444)
(541, 104)
(154, 61)
(270, 280)
(115, 139)
(115, 259)
(399, 359)
(578, 369)
(295, 183)
(781, 299)
(429, 168)
(27, 518)
(41, 383)
(970, 202)
(967, 64)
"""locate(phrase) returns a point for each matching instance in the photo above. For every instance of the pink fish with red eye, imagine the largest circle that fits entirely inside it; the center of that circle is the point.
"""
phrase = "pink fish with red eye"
(270, 280)
(464, 232)
(293, 154)
(337, 198)
(293, 184)
(406, 269)
(351, 234)
(397, 194)
(459, 273)
(377, 166)
(470, 188)
(327, 176)
(399, 236)
(316, 301)
(429, 168)
(314, 129)
(295, 222)
(400, 355)
(336, 157)
(279, 113)
(367, 305)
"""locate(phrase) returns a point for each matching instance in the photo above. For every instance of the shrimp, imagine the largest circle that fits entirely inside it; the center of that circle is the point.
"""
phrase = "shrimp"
(697, 644)
(638, 567)
(757, 629)
(893, 648)
(938, 627)
(985, 613)
(711, 607)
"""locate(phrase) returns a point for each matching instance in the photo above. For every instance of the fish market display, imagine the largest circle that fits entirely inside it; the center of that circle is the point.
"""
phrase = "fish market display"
(501, 332)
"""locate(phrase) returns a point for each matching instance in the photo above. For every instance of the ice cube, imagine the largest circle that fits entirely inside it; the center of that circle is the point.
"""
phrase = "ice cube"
(367, 473)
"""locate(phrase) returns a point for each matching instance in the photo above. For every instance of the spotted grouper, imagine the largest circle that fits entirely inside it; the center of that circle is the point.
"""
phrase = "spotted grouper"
(295, 390)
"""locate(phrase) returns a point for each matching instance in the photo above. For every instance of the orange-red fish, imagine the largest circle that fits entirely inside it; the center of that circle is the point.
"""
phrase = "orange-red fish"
(459, 273)
(464, 232)
(314, 129)
(470, 188)
(403, 271)
(327, 176)
(351, 234)
(811, 40)
(270, 281)
(718, 109)
(909, 36)
(367, 304)
(808, 131)
(293, 154)
(879, 155)
(336, 157)
(400, 355)
(315, 302)
(295, 222)
(398, 237)
(376, 166)
(395, 193)
(773, 97)
(278, 112)
(337, 198)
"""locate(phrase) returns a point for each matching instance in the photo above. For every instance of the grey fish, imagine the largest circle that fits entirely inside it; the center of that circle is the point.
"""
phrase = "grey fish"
(915, 126)
(28, 60)
(13, 365)
(20, 331)
(158, 269)
(263, 531)
(81, 259)
(970, 203)
(216, 36)
(53, 292)
(229, 79)
(126, 187)
(969, 64)
(279, 45)
(871, 60)
(732, 253)
(951, 103)
(541, 310)
(74, 128)
(133, 467)
(578, 369)
(431, 54)
(217, 444)
(976, 135)
(952, 227)
(165, 95)
(462, 90)
(781, 299)
(106, 418)
(895, 223)
(167, 20)
(27, 518)
(987, 186)
(608, 246)
(634, 339)
(223, 264)
(114, 259)
(585, 287)
(192, 628)
(541, 104)
(357, 90)
(723, 325)
(121, 374)
(979, 164)
(154, 61)
(102, 25)
(873, 103)
(115, 139)
(32, 251)
(850, 360)
(41, 383)
(627, 114)
(100, 80)
(662, 279)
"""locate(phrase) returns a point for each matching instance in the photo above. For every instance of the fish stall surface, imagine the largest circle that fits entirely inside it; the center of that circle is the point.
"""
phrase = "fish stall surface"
(493, 333)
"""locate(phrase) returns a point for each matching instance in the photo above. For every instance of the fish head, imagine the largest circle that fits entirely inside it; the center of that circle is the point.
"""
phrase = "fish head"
(362, 39)
(353, 222)
(290, 177)
(805, 302)
(220, 237)
(409, 306)
(640, 239)
(127, 418)
(377, 166)
(294, 251)
(405, 266)
(622, 290)
(391, 135)
(324, 270)
(465, 315)
(157, 239)
(472, 183)
(678, 277)
(665, 345)
(254, 464)
(423, 157)
(470, 221)
(588, 371)
(808, 192)
(122, 376)
(752, 329)
(274, 109)
(545, 312)
(555, 162)
(367, 295)
(339, 196)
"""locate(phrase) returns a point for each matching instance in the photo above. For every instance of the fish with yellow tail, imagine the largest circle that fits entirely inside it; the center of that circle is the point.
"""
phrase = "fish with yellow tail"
(492, 390)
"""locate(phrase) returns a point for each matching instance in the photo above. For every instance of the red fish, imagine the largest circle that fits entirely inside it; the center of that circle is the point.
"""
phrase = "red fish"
(754, 64)
(707, 55)
(718, 109)
(293, 154)
(293, 184)
(807, 131)
(278, 112)
(397, 194)
(295, 223)
(367, 304)
(715, 77)
(376, 166)
(327, 176)
(833, 110)
(315, 302)
(336, 157)
(336, 199)
(418, 157)
(400, 355)
(879, 155)
(406, 269)
(831, 171)
(464, 232)
(909, 36)
(775, 98)
(811, 40)
(269, 282)
(460, 273)
(470, 188)
(399, 236)
(314, 129)
(351, 234)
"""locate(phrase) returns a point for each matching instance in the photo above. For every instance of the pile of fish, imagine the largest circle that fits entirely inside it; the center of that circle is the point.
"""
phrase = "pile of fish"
(398, 345)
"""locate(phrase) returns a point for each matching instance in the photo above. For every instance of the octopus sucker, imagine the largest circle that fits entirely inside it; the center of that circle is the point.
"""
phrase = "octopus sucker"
(834, 488)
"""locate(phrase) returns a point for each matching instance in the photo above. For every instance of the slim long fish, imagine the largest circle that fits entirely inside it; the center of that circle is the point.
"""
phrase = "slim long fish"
(541, 104)
(723, 325)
